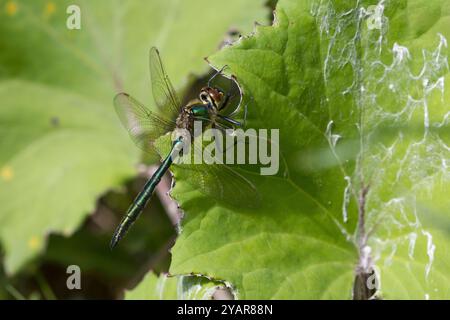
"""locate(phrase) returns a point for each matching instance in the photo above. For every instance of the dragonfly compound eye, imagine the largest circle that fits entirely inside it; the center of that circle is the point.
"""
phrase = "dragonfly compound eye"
(204, 97)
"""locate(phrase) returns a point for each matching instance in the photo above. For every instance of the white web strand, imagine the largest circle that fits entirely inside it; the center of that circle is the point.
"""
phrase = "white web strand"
(401, 161)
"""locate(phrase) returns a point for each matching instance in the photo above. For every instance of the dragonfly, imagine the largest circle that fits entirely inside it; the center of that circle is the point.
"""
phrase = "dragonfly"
(144, 126)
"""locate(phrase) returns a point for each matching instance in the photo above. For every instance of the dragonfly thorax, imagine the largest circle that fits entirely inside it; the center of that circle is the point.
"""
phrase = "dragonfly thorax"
(185, 119)
(194, 111)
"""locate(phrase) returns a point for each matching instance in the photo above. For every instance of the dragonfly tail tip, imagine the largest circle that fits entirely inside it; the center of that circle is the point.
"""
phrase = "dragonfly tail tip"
(114, 241)
(112, 244)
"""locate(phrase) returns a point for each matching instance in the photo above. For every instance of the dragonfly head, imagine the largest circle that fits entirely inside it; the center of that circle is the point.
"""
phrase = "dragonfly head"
(213, 96)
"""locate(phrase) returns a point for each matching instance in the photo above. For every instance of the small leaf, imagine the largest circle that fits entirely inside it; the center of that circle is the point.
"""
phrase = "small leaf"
(173, 288)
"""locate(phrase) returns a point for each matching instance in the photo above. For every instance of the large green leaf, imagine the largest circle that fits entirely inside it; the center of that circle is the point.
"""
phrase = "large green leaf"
(61, 145)
(360, 95)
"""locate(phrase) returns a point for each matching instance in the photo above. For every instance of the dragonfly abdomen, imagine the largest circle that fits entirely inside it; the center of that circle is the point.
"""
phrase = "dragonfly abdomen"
(144, 196)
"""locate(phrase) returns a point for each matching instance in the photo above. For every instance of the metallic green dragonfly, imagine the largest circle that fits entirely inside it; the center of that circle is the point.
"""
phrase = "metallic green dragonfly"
(144, 126)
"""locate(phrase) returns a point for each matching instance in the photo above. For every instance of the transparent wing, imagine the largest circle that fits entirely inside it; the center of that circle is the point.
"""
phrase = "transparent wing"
(228, 185)
(143, 125)
(222, 183)
(163, 92)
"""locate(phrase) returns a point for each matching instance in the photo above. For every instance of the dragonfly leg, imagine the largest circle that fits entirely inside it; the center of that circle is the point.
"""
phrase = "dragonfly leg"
(230, 120)
(216, 74)
(216, 127)
(225, 101)
(245, 115)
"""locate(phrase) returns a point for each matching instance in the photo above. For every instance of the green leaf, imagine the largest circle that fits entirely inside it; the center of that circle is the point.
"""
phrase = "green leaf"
(153, 287)
(62, 145)
(364, 132)
(59, 155)
(173, 288)
(110, 51)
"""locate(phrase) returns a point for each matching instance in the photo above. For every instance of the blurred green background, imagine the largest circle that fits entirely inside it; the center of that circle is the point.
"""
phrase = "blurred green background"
(68, 170)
